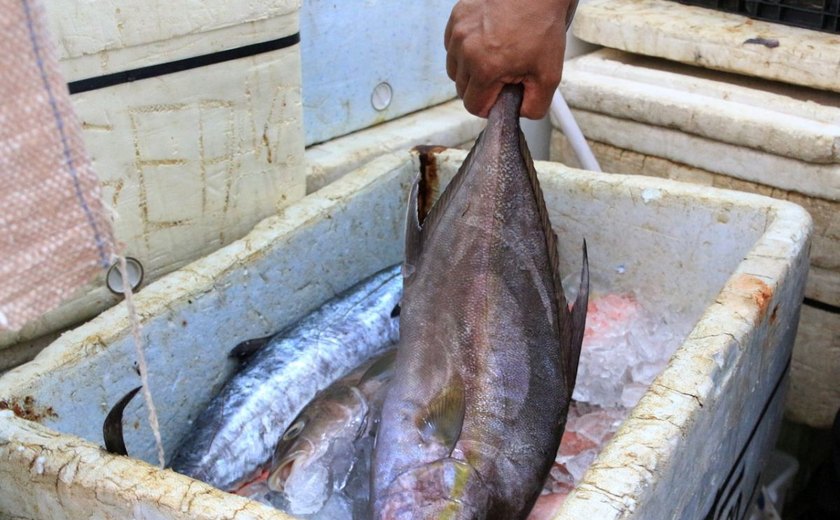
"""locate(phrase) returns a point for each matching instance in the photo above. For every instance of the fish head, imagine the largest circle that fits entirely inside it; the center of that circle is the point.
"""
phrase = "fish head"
(447, 488)
(327, 425)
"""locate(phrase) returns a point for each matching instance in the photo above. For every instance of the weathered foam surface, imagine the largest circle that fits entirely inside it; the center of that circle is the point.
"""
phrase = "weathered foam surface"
(348, 48)
(711, 39)
(735, 261)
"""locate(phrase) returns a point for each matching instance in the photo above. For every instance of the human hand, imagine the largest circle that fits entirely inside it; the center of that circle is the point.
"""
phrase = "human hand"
(490, 43)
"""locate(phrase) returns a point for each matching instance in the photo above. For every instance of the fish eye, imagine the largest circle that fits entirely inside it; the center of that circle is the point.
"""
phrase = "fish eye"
(293, 431)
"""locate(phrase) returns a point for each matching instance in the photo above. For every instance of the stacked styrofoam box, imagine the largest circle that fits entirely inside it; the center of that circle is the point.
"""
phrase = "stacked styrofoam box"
(725, 383)
(189, 160)
(647, 116)
(713, 39)
(350, 48)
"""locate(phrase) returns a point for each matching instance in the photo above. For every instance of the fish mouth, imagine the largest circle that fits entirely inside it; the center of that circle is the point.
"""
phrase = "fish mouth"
(283, 469)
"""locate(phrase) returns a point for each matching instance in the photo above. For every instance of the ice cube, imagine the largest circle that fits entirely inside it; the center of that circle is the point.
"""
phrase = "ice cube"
(631, 394)
(307, 491)
(578, 465)
(338, 507)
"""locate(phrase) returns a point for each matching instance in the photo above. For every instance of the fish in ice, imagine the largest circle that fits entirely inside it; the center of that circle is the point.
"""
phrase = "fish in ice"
(489, 348)
(241, 426)
(324, 445)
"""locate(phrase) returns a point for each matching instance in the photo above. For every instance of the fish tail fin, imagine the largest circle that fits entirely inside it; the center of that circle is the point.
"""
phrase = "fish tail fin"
(578, 322)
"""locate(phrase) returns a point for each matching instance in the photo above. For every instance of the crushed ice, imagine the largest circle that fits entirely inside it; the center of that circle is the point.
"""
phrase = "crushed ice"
(625, 347)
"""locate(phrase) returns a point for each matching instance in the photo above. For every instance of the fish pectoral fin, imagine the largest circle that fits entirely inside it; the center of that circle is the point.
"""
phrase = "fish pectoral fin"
(442, 419)
(382, 368)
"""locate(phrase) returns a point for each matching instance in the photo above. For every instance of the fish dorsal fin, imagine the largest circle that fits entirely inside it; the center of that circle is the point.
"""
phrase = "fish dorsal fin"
(419, 226)
(545, 223)
(578, 323)
(572, 323)
(442, 419)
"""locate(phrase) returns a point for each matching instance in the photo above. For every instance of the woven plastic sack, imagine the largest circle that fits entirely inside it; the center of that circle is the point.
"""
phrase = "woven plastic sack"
(54, 233)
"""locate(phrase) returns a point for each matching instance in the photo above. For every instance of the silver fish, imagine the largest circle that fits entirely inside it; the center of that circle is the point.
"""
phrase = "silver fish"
(489, 348)
(329, 440)
(243, 423)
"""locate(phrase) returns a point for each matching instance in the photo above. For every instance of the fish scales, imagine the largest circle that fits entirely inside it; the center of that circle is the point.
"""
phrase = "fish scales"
(489, 349)
(243, 423)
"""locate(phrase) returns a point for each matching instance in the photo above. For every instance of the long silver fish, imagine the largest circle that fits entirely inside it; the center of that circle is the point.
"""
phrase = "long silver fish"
(489, 348)
(326, 443)
(243, 423)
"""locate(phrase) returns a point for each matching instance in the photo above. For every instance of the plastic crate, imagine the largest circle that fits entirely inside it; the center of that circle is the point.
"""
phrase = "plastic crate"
(820, 15)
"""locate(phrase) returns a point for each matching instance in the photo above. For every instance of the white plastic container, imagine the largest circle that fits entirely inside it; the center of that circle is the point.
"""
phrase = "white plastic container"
(191, 113)
(646, 116)
(734, 262)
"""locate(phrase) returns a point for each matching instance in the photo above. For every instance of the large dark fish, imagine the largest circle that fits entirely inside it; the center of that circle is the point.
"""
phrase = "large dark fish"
(489, 348)
(243, 423)
(325, 444)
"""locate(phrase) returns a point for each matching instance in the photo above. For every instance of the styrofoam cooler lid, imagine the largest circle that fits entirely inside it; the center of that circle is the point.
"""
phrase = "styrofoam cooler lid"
(796, 128)
(98, 37)
(712, 39)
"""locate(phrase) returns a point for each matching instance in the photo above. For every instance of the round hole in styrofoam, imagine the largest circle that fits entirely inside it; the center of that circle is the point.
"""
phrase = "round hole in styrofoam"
(382, 95)
(114, 278)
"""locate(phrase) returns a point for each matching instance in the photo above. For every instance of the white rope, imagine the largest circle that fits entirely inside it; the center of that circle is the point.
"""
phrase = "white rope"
(141, 358)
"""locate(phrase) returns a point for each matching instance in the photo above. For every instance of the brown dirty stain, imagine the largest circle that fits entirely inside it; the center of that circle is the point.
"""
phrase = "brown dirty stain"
(183, 323)
(760, 292)
(267, 145)
(770, 43)
(94, 126)
(26, 408)
(774, 315)
(429, 186)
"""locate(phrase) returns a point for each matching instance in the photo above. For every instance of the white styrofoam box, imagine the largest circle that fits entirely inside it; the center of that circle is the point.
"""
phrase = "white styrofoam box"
(733, 262)
(814, 395)
(646, 116)
(447, 125)
(712, 39)
(189, 160)
(349, 48)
